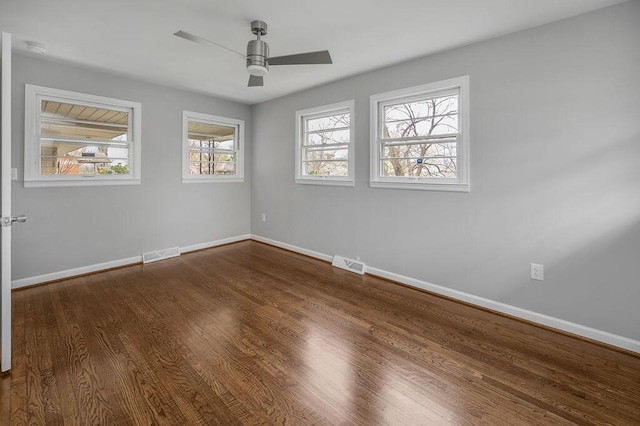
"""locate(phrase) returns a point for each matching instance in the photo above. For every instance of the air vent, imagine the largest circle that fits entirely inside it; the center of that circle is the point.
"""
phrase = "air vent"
(348, 264)
(154, 256)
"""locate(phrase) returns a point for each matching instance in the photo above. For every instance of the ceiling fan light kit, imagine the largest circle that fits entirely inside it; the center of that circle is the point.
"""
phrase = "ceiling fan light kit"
(257, 58)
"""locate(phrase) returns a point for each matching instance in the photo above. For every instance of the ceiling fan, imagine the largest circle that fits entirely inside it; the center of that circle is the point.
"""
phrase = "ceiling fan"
(257, 57)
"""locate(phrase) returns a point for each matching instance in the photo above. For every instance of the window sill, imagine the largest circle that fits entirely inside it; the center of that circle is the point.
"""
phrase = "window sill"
(422, 186)
(324, 181)
(213, 180)
(83, 182)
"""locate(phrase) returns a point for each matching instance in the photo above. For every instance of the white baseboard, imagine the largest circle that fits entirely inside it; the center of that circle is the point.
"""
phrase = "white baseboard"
(290, 247)
(25, 282)
(542, 319)
(202, 246)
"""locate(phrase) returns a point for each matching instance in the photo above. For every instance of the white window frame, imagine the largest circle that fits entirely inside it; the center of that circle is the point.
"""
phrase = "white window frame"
(317, 112)
(239, 149)
(377, 102)
(33, 178)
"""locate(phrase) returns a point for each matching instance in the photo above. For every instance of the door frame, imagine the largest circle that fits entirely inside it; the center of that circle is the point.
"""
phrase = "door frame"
(5, 177)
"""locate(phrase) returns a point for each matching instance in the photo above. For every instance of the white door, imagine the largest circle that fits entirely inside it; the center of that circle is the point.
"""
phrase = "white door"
(5, 200)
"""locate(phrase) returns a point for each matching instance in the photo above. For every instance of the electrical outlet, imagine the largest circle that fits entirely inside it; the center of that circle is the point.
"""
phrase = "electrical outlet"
(264, 217)
(537, 272)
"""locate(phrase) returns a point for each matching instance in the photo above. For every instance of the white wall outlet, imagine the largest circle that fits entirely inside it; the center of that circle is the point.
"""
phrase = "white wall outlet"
(264, 217)
(537, 272)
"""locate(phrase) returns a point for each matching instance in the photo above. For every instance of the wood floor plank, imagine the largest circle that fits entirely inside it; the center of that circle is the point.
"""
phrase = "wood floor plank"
(84, 369)
(248, 334)
(325, 309)
(236, 348)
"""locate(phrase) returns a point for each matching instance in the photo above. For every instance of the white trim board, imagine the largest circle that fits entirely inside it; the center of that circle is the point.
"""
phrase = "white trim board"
(53, 276)
(39, 279)
(202, 246)
(290, 247)
(514, 311)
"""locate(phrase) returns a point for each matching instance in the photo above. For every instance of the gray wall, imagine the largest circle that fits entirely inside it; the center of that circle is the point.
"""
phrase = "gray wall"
(75, 227)
(555, 175)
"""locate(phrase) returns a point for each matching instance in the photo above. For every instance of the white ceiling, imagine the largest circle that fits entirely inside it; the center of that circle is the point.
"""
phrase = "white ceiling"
(135, 37)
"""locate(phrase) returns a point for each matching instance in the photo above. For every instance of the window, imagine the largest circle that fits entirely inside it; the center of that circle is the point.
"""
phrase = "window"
(420, 137)
(324, 145)
(75, 139)
(212, 148)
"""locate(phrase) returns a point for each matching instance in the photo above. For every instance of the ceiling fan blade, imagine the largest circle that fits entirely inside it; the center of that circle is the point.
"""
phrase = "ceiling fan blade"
(255, 80)
(192, 37)
(320, 57)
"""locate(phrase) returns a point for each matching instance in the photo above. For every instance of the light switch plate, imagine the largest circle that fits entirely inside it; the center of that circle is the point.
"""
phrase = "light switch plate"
(14, 173)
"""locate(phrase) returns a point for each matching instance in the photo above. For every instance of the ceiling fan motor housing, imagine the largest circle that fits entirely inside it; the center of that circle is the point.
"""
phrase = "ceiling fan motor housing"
(258, 50)
(257, 54)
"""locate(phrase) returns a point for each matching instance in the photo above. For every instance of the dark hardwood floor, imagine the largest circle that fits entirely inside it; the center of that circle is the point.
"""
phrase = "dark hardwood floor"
(250, 334)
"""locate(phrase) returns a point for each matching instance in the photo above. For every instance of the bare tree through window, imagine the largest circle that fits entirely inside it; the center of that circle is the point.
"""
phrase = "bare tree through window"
(326, 147)
(419, 138)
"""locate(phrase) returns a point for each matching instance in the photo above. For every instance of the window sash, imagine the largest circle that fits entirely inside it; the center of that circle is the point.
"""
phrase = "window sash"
(45, 141)
(449, 151)
(210, 151)
(415, 140)
(213, 151)
(107, 159)
(41, 142)
(333, 129)
(198, 148)
(426, 117)
(211, 166)
(421, 96)
(327, 147)
(47, 117)
(306, 148)
(81, 141)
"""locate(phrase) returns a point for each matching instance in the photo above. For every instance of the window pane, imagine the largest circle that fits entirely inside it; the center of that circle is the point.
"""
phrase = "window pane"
(338, 136)
(422, 108)
(422, 127)
(421, 150)
(211, 156)
(228, 144)
(428, 167)
(325, 123)
(59, 158)
(205, 142)
(326, 168)
(65, 120)
(211, 168)
(326, 154)
(213, 135)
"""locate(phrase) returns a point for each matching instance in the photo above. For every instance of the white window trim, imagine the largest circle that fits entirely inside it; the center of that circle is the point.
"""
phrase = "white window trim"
(461, 183)
(214, 119)
(32, 177)
(320, 111)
